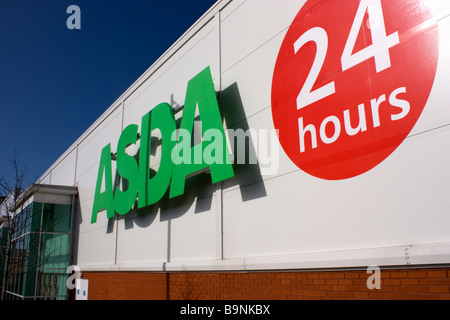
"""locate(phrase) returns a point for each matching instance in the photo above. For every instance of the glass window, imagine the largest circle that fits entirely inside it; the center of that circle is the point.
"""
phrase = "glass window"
(56, 218)
(40, 252)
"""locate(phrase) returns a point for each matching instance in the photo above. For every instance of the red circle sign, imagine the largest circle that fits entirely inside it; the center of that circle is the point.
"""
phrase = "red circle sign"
(351, 80)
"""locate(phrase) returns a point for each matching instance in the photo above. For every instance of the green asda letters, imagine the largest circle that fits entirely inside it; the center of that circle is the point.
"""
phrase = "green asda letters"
(149, 189)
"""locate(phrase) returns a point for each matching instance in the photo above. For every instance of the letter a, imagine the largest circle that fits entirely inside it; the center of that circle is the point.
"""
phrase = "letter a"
(200, 93)
(74, 21)
(104, 200)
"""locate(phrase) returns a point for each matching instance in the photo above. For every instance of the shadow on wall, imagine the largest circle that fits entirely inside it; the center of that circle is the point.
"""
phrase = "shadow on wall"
(199, 188)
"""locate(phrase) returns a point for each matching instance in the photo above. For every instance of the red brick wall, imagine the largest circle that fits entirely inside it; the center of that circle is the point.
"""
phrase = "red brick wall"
(395, 284)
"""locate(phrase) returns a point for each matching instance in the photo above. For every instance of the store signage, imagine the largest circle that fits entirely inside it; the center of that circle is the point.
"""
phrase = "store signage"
(347, 90)
(178, 159)
(350, 82)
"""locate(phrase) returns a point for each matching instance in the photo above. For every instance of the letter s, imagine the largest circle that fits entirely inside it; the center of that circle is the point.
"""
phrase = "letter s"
(403, 104)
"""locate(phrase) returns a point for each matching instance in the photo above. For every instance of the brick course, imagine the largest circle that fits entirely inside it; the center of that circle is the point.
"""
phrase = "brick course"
(403, 284)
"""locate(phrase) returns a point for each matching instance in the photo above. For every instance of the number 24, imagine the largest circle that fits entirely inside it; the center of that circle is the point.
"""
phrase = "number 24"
(379, 49)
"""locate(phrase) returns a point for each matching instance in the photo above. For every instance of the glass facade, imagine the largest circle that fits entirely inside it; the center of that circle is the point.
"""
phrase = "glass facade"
(40, 255)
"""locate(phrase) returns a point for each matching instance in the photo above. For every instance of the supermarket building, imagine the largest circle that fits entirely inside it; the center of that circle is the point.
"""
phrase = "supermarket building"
(343, 108)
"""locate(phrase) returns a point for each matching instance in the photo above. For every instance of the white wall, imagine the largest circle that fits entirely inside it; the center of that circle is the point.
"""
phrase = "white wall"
(397, 213)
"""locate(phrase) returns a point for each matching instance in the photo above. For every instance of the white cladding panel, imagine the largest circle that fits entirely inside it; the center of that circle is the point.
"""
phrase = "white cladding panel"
(390, 206)
(64, 174)
(271, 215)
(89, 151)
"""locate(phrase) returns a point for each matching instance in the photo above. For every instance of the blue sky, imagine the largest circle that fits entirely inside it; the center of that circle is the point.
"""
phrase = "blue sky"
(55, 82)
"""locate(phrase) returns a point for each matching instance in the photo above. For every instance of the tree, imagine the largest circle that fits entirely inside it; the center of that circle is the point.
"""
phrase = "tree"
(33, 239)
(12, 260)
(21, 234)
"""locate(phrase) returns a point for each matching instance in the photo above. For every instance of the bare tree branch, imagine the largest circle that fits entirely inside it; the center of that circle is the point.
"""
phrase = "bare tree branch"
(20, 243)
